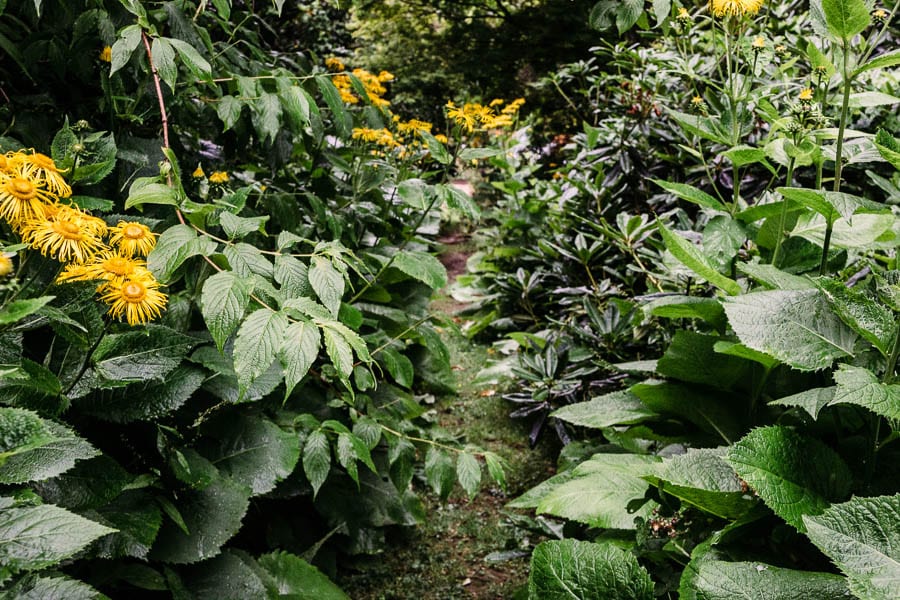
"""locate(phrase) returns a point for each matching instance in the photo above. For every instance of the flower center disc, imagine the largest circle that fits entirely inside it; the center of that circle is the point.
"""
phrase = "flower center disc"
(67, 229)
(42, 161)
(117, 266)
(133, 292)
(133, 232)
(21, 189)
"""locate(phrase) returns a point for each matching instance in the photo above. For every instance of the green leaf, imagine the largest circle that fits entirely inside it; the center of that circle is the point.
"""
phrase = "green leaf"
(196, 64)
(295, 103)
(692, 357)
(293, 276)
(254, 451)
(316, 459)
(35, 537)
(138, 520)
(236, 227)
(212, 516)
(229, 111)
(713, 412)
(413, 192)
(797, 327)
(153, 193)
(661, 10)
(495, 467)
(774, 278)
(19, 309)
(145, 400)
(856, 385)
(846, 18)
(423, 267)
(164, 60)
(691, 194)
(267, 115)
(794, 474)
(176, 245)
(457, 199)
(702, 478)
(298, 351)
(339, 351)
(231, 575)
(469, 154)
(888, 59)
(864, 315)
(692, 258)
(720, 580)
(343, 122)
(298, 579)
(398, 366)
(327, 282)
(615, 408)
(141, 355)
(437, 149)
(576, 570)
(223, 302)
(600, 490)
(628, 13)
(256, 346)
(34, 449)
(124, 47)
(862, 537)
(54, 587)
(689, 307)
(247, 260)
(439, 471)
(468, 472)
(812, 401)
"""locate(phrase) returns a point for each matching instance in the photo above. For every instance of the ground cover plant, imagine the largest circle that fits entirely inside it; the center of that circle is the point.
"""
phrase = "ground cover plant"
(755, 454)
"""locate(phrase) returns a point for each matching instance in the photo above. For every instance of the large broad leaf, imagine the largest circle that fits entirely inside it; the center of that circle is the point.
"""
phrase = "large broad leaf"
(600, 491)
(615, 408)
(223, 301)
(691, 194)
(812, 401)
(576, 570)
(141, 355)
(147, 400)
(862, 537)
(797, 327)
(258, 341)
(229, 576)
(703, 478)
(422, 266)
(298, 579)
(689, 307)
(859, 386)
(691, 257)
(212, 516)
(55, 587)
(717, 413)
(692, 357)
(176, 245)
(34, 449)
(35, 537)
(720, 580)
(864, 315)
(794, 474)
(253, 451)
(298, 351)
(846, 18)
(136, 517)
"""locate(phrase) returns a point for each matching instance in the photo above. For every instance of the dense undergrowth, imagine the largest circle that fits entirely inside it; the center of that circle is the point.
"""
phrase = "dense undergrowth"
(217, 263)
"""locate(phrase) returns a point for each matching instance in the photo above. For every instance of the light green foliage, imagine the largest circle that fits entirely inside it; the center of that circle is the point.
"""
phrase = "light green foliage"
(34, 449)
(720, 580)
(615, 408)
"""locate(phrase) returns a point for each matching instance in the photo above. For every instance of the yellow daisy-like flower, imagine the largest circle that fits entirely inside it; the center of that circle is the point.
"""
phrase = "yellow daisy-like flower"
(462, 117)
(132, 238)
(806, 95)
(759, 42)
(335, 64)
(198, 173)
(219, 177)
(137, 298)
(513, 107)
(106, 54)
(107, 265)
(69, 236)
(441, 138)
(40, 167)
(22, 199)
(6, 263)
(736, 8)
(414, 126)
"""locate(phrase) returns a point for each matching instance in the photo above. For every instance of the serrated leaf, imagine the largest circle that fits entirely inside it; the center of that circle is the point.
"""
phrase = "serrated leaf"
(599, 491)
(35, 537)
(401, 456)
(856, 385)
(812, 401)
(846, 18)
(469, 154)
(689, 307)
(468, 473)
(196, 64)
(339, 352)
(223, 301)
(712, 411)
(436, 148)
(794, 474)
(296, 578)
(293, 276)
(888, 59)
(176, 245)
(691, 257)
(296, 102)
(413, 193)
(691, 194)
(53, 587)
(236, 227)
(19, 309)
(327, 282)
(231, 575)
(212, 516)
(422, 266)
(145, 400)
(247, 260)
(615, 408)
(692, 357)
(34, 449)
(866, 317)
(797, 327)
(257, 343)
(141, 355)
(164, 60)
(720, 580)
(572, 569)
(343, 122)
(137, 519)
(267, 115)
(316, 459)
(153, 193)
(298, 351)
(862, 537)
(398, 366)
(253, 451)
(439, 471)
(124, 47)
(229, 111)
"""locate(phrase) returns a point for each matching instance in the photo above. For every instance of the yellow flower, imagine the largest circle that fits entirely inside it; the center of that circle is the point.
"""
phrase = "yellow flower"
(69, 236)
(137, 298)
(21, 199)
(198, 173)
(107, 265)
(441, 138)
(385, 76)
(513, 107)
(495, 102)
(219, 177)
(462, 116)
(335, 64)
(806, 95)
(683, 15)
(6, 263)
(132, 238)
(106, 54)
(759, 42)
(41, 168)
(736, 8)
(413, 126)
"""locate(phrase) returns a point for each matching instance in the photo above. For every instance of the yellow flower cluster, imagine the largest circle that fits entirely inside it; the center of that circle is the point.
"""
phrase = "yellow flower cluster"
(735, 8)
(472, 116)
(381, 137)
(31, 187)
(373, 84)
